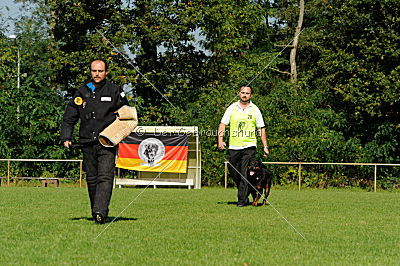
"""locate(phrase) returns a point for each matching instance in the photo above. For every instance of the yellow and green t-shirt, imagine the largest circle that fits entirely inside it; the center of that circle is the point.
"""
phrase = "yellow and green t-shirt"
(243, 125)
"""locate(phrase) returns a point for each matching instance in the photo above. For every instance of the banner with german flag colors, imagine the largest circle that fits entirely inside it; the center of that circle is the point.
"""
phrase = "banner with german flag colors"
(154, 152)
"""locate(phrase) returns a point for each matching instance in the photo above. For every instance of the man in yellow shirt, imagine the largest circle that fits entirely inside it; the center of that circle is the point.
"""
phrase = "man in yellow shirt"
(244, 119)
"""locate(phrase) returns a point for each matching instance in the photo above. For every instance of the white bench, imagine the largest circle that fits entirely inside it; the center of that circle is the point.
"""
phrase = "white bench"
(158, 182)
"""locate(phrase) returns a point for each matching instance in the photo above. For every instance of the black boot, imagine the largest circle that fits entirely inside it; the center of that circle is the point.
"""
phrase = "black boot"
(99, 218)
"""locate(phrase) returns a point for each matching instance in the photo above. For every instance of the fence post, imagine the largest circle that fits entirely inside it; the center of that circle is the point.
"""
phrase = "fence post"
(80, 174)
(226, 175)
(8, 173)
(376, 170)
(299, 174)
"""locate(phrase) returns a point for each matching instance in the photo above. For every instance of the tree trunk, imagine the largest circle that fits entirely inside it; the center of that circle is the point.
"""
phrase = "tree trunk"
(148, 58)
(52, 45)
(293, 52)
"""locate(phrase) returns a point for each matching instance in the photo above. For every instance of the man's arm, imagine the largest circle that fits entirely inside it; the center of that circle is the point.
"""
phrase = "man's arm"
(263, 134)
(71, 117)
(221, 130)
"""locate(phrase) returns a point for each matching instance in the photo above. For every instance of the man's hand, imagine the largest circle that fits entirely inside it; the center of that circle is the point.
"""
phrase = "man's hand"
(67, 143)
(266, 151)
(221, 145)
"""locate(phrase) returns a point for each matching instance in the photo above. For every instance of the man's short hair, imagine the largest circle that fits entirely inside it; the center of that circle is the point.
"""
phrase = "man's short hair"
(102, 60)
(241, 88)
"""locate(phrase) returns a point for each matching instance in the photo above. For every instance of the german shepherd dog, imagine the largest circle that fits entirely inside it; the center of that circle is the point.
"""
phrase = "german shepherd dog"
(260, 180)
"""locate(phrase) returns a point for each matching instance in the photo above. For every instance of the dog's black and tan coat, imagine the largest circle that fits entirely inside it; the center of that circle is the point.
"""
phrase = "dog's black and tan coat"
(260, 181)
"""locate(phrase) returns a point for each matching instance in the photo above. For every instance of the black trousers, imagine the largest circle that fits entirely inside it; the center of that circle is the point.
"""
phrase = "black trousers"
(240, 160)
(99, 165)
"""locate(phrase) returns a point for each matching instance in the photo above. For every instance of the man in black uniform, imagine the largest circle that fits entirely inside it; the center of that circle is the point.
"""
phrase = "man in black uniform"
(95, 104)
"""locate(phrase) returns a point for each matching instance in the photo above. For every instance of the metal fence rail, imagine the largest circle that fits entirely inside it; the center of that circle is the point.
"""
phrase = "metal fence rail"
(38, 160)
(375, 165)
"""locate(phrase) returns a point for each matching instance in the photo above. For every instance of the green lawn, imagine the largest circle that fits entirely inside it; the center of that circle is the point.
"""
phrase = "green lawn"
(200, 227)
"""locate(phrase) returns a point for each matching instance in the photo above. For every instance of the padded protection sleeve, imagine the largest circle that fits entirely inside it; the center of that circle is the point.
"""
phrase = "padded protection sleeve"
(125, 123)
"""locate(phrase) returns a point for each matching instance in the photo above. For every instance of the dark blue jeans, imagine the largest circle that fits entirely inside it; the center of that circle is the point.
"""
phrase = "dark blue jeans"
(240, 160)
(99, 165)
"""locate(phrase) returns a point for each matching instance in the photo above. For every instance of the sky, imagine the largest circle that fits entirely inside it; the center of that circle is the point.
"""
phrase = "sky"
(13, 12)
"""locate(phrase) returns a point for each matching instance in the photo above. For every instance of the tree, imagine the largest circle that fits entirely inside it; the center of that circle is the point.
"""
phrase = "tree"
(343, 106)
(359, 64)
(31, 111)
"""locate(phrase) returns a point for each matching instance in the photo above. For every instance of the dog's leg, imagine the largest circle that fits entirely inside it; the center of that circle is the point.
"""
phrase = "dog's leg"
(266, 193)
(255, 201)
(257, 193)
(253, 194)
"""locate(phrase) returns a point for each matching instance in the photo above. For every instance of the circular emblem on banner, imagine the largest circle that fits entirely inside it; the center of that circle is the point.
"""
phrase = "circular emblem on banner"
(78, 101)
(151, 151)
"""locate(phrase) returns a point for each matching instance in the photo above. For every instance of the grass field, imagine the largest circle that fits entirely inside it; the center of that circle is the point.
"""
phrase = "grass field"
(200, 227)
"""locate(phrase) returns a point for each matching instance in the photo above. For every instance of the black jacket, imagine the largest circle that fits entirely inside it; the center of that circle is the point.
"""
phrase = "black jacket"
(94, 109)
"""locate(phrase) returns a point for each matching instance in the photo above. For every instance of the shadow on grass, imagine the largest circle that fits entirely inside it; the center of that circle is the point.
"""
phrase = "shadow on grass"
(235, 203)
(109, 219)
(227, 202)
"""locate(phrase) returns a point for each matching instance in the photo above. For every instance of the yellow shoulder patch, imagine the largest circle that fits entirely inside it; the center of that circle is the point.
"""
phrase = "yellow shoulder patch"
(78, 101)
